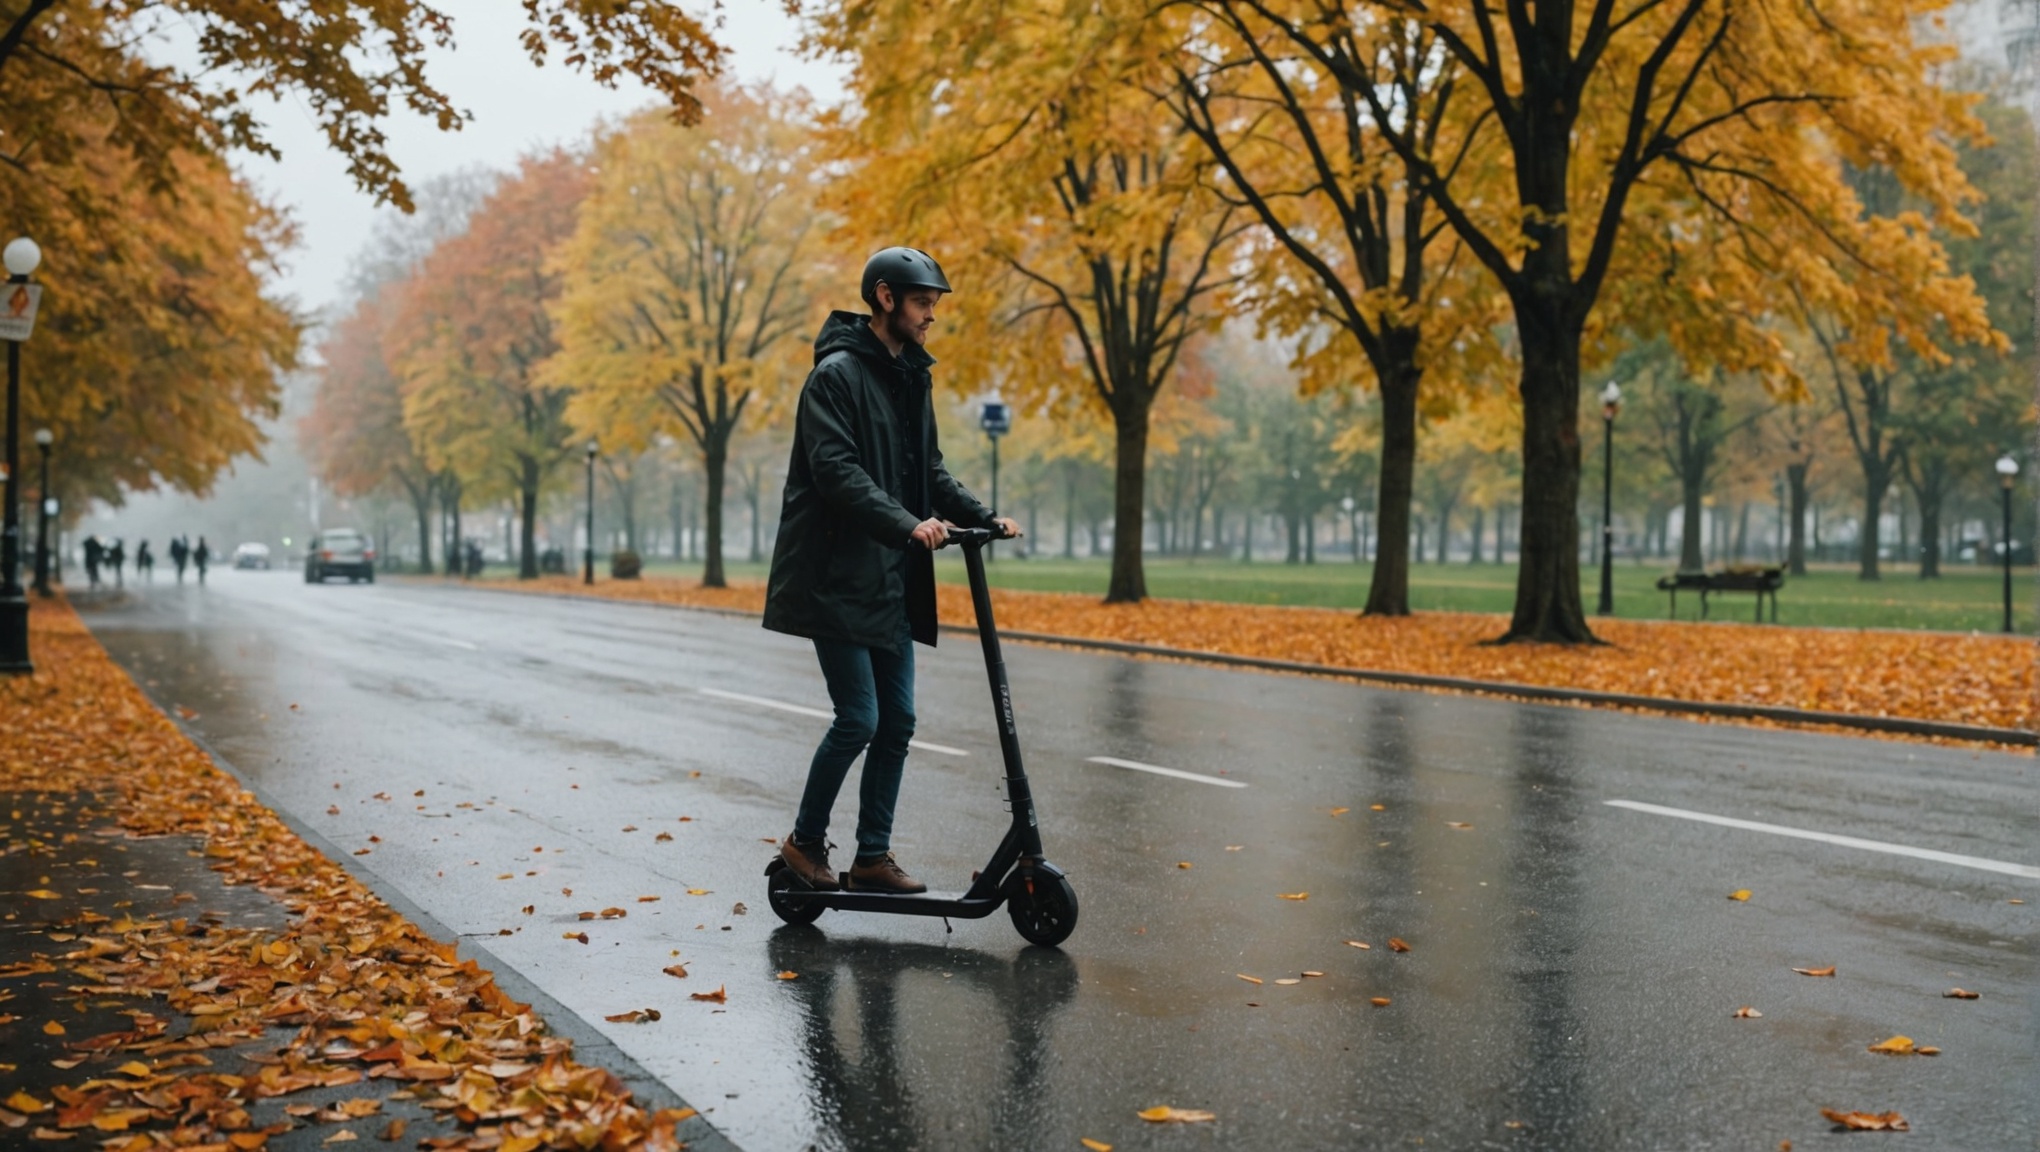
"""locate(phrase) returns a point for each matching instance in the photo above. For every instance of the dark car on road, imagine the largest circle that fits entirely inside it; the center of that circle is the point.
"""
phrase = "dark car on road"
(340, 552)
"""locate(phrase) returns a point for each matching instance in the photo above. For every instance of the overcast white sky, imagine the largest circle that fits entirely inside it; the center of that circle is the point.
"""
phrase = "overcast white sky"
(516, 107)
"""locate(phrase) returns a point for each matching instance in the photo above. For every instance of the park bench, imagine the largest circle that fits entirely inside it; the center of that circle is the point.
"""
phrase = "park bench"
(1762, 581)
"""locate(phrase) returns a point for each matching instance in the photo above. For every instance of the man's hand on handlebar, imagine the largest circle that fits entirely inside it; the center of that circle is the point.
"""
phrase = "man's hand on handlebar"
(931, 533)
(1008, 528)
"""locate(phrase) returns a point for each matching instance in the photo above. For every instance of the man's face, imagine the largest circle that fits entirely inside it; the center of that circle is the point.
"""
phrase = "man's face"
(911, 315)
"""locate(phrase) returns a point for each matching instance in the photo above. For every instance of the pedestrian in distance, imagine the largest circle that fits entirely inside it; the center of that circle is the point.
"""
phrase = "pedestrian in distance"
(199, 556)
(116, 559)
(180, 553)
(94, 553)
(853, 568)
(145, 563)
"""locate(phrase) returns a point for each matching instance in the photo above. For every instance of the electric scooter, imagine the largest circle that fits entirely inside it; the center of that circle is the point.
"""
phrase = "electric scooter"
(1035, 892)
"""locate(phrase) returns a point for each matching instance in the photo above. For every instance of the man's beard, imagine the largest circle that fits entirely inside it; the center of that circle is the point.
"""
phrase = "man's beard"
(897, 327)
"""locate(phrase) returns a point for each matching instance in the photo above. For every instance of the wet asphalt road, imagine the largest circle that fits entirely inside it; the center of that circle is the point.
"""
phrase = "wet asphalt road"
(1573, 968)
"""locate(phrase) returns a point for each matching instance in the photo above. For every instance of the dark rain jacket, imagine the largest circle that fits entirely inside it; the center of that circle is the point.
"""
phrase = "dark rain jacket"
(865, 470)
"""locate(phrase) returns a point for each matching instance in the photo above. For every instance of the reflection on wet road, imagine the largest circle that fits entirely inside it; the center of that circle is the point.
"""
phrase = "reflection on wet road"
(1572, 970)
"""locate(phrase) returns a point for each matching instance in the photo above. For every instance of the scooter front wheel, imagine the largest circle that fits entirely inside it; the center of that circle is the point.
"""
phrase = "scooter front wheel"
(1044, 908)
(791, 911)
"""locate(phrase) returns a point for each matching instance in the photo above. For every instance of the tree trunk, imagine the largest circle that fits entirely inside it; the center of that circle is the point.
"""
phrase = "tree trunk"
(1742, 532)
(1548, 605)
(1310, 538)
(1130, 434)
(1795, 546)
(714, 460)
(527, 519)
(1876, 482)
(1930, 538)
(421, 505)
(757, 556)
(1388, 591)
(1479, 531)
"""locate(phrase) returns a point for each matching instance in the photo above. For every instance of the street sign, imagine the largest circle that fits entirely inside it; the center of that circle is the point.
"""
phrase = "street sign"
(17, 310)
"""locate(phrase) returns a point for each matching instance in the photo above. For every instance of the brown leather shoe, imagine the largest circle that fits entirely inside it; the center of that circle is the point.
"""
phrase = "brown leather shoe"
(884, 875)
(809, 862)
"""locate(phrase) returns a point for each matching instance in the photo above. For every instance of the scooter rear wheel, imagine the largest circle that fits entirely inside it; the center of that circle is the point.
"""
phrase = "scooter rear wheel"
(791, 911)
(1045, 916)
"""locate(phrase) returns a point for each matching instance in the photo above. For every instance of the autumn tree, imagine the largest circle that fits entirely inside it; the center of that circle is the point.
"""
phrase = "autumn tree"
(157, 351)
(1632, 134)
(1021, 145)
(474, 331)
(687, 279)
(64, 63)
(1358, 252)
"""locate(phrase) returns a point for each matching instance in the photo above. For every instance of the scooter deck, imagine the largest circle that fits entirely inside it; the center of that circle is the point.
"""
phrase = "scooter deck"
(960, 905)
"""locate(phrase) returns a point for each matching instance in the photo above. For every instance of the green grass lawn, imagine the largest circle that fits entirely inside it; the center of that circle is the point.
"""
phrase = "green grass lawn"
(1964, 599)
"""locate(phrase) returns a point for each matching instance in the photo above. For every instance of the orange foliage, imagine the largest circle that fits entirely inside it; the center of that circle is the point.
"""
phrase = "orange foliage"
(1974, 679)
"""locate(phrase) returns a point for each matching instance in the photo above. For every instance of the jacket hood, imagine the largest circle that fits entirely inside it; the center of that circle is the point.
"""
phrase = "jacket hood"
(851, 332)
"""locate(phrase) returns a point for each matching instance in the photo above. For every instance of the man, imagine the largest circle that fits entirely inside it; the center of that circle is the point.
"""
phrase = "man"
(852, 568)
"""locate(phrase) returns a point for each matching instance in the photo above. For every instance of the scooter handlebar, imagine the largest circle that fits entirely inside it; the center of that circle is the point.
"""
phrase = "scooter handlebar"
(976, 536)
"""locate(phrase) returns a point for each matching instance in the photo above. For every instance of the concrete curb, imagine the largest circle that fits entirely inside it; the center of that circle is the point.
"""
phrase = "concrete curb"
(590, 1046)
(1903, 725)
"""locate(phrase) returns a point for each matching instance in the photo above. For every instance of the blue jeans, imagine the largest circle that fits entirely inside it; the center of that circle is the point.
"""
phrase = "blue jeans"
(873, 692)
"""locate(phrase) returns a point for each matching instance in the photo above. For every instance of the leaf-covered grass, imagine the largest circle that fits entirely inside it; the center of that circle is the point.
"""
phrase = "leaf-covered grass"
(1965, 599)
(1977, 679)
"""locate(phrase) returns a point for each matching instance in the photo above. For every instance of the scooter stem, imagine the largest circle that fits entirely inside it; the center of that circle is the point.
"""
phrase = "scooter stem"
(1017, 792)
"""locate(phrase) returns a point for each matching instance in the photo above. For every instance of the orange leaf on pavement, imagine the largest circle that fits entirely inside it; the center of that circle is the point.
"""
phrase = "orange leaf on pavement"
(1294, 895)
(1896, 1046)
(1867, 1121)
(719, 996)
(1747, 1013)
(1739, 894)
(1827, 971)
(1959, 994)
(1395, 944)
(1163, 1114)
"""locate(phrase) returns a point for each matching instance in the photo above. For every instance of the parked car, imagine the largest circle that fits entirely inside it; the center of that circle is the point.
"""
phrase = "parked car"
(252, 555)
(340, 552)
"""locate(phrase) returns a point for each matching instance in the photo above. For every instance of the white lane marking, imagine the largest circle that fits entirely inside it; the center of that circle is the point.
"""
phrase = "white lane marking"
(1978, 862)
(1158, 770)
(804, 710)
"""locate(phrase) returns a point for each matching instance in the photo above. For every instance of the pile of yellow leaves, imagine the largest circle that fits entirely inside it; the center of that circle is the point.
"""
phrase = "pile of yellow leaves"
(369, 994)
(1974, 679)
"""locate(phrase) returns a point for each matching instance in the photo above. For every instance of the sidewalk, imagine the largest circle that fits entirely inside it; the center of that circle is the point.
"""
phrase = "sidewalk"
(178, 967)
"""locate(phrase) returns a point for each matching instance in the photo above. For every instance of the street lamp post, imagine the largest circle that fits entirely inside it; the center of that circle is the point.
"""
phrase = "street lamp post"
(2008, 474)
(18, 300)
(588, 554)
(46, 508)
(996, 419)
(1611, 403)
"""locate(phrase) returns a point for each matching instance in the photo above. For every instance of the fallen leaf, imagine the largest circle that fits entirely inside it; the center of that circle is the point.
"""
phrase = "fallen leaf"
(1308, 972)
(187, 713)
(1896, 1046)
(47, 1133)
(1294, 895)
(675, 970)
(21, 1101)
(1183, 864)
(393, 1131)
(1234, 847)
(738, 909)
(1378, 1001)
(630, 827)
(52, 1028)
(1739, 894)
(42, 894)
(634, 1016)
(789, 975)
(1960, 994)
(1747, 1013)
(1395, 944)
(1095, 1145)
(648, 899)
(1459, 824)
(1927, 1050)
(1867, 1121)
(1286, 980)
(134, 1068)
(341, 1137)
(1377, 807)
(1247, 978)
(1340, 811)
(581, 936)
(699, 891)
(1827, 971)
(1163, 1114)
(716, 997)
(1357, 944)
